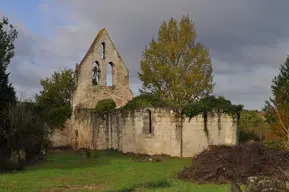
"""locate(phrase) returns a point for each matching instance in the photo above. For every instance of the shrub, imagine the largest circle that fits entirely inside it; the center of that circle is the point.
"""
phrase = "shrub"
(5, 162)
(245, 136)
(104, 106)
(23, 130)
(145, 100)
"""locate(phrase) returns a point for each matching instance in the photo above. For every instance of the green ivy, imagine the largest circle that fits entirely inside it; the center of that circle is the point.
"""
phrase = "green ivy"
(211, 104)
(192, 109)
(205, 106)
(104, 106)
(143, 101)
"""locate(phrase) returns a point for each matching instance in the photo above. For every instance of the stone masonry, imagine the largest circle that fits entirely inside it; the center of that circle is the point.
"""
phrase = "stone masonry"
(152, 131)
(91, 76)
(101, 55)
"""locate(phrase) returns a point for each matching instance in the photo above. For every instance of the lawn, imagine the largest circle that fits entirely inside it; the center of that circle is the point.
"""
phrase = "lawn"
(105, 171)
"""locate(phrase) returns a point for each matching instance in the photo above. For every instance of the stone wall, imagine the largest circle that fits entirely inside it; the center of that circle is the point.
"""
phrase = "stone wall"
(61, 137)
(152, 131)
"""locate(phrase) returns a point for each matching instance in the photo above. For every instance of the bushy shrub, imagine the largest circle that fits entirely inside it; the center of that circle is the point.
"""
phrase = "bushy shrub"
(23, 130)
(5, 162)
(245, 136)
(104, 106)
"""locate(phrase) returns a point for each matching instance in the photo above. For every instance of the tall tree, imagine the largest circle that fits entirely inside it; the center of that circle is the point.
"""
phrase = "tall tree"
(54, 99)
(7, 93)
(7, 37)
(276, 108)
(175, 66)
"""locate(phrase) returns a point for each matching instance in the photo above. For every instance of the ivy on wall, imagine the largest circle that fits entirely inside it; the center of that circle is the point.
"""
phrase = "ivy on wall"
(104, 106)
(143, 101)
(192, 109)
(204, 107)
(211, 104)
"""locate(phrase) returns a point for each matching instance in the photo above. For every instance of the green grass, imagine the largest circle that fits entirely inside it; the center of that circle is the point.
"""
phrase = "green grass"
(104, 171)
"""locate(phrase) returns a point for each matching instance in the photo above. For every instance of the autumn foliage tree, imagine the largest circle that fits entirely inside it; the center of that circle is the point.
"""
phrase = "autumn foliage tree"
(277, 107)
(175, 66)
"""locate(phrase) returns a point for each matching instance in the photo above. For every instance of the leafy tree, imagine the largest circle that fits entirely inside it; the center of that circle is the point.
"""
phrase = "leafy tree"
(24, 129)
(276, 108)
(54, 99)
(175, 66)
(252, 124)
(7, 37)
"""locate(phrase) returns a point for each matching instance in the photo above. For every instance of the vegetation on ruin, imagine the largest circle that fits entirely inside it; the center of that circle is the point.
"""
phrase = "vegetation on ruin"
(205, 106)
(54, 98)
(145, 101)
(211, 104)
(276, 108)
(104, 106)
(176, 67)
(208, 104)
(106, 171)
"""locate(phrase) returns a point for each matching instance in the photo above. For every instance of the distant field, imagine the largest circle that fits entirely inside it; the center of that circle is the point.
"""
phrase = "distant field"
(104, 171)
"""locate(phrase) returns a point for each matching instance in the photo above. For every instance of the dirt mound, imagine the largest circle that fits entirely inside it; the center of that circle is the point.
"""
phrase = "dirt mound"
(220, 164)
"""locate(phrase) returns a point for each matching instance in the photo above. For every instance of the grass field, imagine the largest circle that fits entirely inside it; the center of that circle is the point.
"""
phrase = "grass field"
(104, 171)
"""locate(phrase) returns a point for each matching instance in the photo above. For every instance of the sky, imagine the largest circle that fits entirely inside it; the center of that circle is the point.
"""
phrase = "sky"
(248, 40)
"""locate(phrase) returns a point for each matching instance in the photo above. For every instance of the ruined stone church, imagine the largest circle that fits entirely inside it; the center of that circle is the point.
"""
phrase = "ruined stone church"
(91, 75)
(147, 131)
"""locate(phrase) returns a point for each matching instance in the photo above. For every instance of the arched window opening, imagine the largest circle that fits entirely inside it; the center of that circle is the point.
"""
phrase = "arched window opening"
(147, 122)
(95, 73)
(109, 74)
(76, 133)
(103, 50)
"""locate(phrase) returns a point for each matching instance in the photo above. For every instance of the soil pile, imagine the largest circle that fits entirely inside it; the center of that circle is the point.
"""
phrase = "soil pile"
(221, 164)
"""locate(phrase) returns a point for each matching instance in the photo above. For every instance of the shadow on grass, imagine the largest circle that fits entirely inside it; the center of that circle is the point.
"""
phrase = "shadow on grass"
(145, 185)
(74, 159)
(62, 160)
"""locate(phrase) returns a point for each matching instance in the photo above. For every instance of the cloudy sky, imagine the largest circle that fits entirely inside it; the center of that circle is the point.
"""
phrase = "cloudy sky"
(248, 39)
